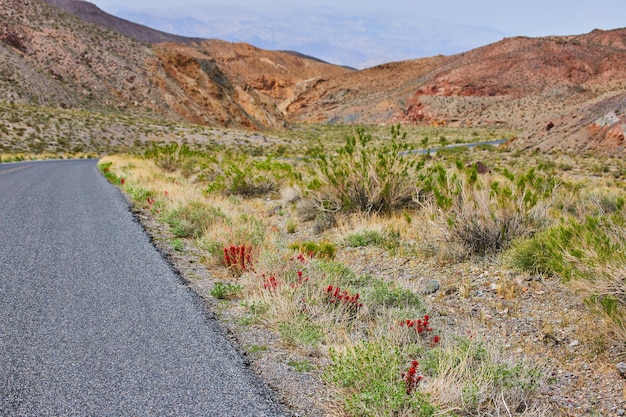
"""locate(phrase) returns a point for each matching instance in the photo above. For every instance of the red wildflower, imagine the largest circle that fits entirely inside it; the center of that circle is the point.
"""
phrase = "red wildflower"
(411, 378)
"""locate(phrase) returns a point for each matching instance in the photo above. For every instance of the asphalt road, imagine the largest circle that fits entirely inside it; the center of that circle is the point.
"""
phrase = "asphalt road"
(93, 322)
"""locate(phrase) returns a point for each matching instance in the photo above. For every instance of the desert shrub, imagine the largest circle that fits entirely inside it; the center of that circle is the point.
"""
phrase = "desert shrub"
(369, 376)
(539, 254)
(239, 174)
(193, 219)
(364, 238)
(324, 220)
(389, 239)
(484, 213)
(226, 290)
(475, 378)
(572, 248)
(105, 169)
(139, 195)
(608, 296)
(387, 294)
(592, 252)
(301, 331)
(363, 177)
(323, 249)
(172, 156)
(292, 226)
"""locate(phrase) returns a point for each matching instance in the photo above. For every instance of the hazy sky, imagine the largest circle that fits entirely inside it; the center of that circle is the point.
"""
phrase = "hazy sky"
(515, 17)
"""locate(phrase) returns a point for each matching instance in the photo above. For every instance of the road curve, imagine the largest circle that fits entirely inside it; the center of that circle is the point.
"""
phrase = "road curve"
(93, 322)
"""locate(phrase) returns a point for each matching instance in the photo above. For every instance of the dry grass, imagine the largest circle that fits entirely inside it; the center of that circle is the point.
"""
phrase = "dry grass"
(288, 296)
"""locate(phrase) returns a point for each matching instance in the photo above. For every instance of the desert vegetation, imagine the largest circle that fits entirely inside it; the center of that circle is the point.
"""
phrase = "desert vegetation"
(362, 259)
(377, 269)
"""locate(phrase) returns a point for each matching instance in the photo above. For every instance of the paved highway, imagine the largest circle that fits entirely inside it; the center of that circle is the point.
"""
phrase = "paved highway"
(93, 322)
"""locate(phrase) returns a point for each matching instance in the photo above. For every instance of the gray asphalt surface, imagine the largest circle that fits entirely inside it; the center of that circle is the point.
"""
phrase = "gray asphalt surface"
(93, 322)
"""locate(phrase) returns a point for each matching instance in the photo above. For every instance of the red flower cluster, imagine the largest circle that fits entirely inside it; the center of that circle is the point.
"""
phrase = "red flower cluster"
(301, 258)
(122, 181)
(271, 283)
(238, 257)
(301, 278)
(411, 378)
(420, 325)
(336, 296)
(150, 200)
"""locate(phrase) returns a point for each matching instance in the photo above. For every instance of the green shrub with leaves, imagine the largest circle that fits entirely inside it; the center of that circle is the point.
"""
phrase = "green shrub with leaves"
(235, 173)
(592, 252)
(301, 331)
(105, 169)
(172, 156)
(367, 178)
(225, 290)
(365, 238)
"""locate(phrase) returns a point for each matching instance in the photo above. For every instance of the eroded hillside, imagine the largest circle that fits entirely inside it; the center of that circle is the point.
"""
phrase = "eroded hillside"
(521, 83)
(53, 58)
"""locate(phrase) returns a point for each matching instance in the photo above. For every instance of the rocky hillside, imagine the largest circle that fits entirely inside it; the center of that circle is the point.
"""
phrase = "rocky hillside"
(564, 93)
(522, 83)
(50, 57)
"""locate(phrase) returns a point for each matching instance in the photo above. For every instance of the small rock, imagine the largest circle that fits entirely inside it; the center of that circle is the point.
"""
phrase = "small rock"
(621, 412)
(432, 287)
(574, 343)
(621, 367)
(451, 290)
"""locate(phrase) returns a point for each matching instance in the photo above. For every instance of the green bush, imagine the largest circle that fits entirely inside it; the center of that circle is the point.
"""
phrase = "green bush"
(323, 249)
(367, 178)
(484, 213)
(239, 174)
(105, 169)
(573, 248)
(488, 383)
(369, 375)
(365, 238)
(172, 156)
(386, 294)
(301, 331)
(191, 220)
(228, 290)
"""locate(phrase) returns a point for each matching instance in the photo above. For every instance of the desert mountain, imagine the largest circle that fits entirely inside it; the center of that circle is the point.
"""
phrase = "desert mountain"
(522, 83)
(564, 93)
(93, 14)
(51, 57)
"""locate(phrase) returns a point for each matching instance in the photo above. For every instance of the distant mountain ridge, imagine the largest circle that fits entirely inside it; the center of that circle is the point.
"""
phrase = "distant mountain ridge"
(344, 38)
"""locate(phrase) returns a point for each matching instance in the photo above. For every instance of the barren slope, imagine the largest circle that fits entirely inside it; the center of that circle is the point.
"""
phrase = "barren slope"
(53, 58)
(521, 83)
